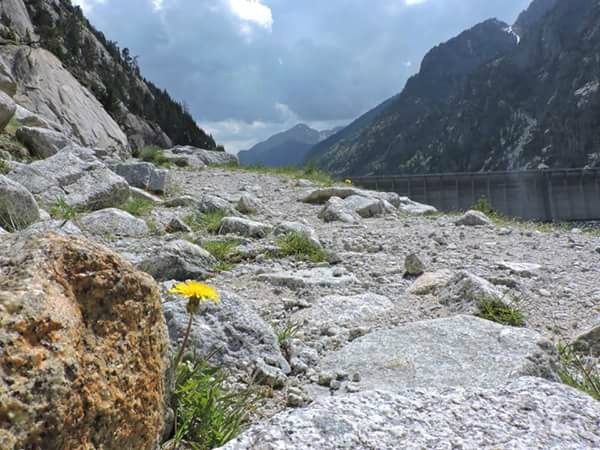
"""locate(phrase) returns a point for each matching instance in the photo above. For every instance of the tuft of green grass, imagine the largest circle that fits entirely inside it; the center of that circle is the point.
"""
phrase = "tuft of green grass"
(311, 173)
(496, 311)
(300, 247)
(10, 223)
(137, 206)
(154, 155)
(153, 226)
(577, 372)
(222, 252)
(208, 414)
(9, 142)
(12, 127)
(209, 222)
(61, 210)
(4, 169)
(286, 333)
(483, 205)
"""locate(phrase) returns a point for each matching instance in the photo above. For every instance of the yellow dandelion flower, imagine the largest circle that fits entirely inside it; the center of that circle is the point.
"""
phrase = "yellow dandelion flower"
(348, 181)
(196, 290)
(196, 293)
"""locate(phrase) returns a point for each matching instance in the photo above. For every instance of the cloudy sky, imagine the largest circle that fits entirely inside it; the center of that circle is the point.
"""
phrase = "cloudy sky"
(250, 68)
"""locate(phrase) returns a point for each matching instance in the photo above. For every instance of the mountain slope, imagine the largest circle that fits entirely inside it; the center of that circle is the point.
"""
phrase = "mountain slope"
(147, 114)
(287, 148)
(490, 99)
(350, 133)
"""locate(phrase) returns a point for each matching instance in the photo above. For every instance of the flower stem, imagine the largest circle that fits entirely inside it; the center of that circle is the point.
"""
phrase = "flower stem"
(184, 343)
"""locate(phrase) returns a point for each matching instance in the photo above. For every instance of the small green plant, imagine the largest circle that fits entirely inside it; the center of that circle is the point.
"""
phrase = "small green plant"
(286, 332)
(12, 127)
(208, 414)
(61, 210)
(300, 247)
(577, 372)
(497, 311)
(10, 223)
(153, 227)
(209, 222)
(137, 206)
(154, 155)
(483, 205)
(222, 251)
(4, 168)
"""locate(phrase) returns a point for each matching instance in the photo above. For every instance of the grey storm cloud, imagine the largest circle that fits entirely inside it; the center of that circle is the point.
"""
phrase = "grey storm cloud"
(247, 68)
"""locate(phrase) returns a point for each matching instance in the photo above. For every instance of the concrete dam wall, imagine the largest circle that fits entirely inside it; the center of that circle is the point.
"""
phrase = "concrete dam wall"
(544, 195)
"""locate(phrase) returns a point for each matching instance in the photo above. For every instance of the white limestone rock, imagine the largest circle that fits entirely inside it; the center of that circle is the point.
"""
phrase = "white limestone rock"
(456, 351)
(525, 414)
(335, 210)
(18, 208)
(74, 175)
(42, 142)
(430, 282)
(244, 227)
(143, 175)
(319, 276)
(113, 222)
(473, 219)
(232, 332)
(46, 88)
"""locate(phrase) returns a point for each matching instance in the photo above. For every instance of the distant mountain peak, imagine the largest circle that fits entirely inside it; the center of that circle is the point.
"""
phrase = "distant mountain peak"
(286, 148)
(533, 15)
(494, 97)
(301, 126)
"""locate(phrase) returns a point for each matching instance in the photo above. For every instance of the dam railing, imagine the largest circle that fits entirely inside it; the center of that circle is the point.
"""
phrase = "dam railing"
(543, 195)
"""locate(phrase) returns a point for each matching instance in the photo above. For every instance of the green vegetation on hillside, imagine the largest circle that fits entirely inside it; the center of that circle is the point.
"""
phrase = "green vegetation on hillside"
(112, 80)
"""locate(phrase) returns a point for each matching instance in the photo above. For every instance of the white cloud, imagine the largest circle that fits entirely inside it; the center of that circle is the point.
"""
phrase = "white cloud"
(83, 3)
(252, 11)
(413, 2)
(87, 5)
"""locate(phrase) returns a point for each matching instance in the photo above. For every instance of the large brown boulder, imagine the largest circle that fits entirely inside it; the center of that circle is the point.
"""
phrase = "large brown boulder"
(83, 348)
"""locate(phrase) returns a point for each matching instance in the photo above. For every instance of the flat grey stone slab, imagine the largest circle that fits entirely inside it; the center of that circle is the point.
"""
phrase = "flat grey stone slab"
(345, 311)
(456, 351)
(528, 413)
(321, 276)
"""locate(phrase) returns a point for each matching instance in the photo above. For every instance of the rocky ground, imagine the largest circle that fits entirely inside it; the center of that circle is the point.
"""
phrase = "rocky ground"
(560, 298)
(386, 322)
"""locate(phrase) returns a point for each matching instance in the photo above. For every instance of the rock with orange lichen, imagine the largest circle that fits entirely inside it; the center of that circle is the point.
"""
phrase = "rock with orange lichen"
(83, 348)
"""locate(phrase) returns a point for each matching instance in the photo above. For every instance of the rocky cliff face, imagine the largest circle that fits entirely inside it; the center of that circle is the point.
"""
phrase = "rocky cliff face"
(45, 87)
(87, 85)
(495, 97)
